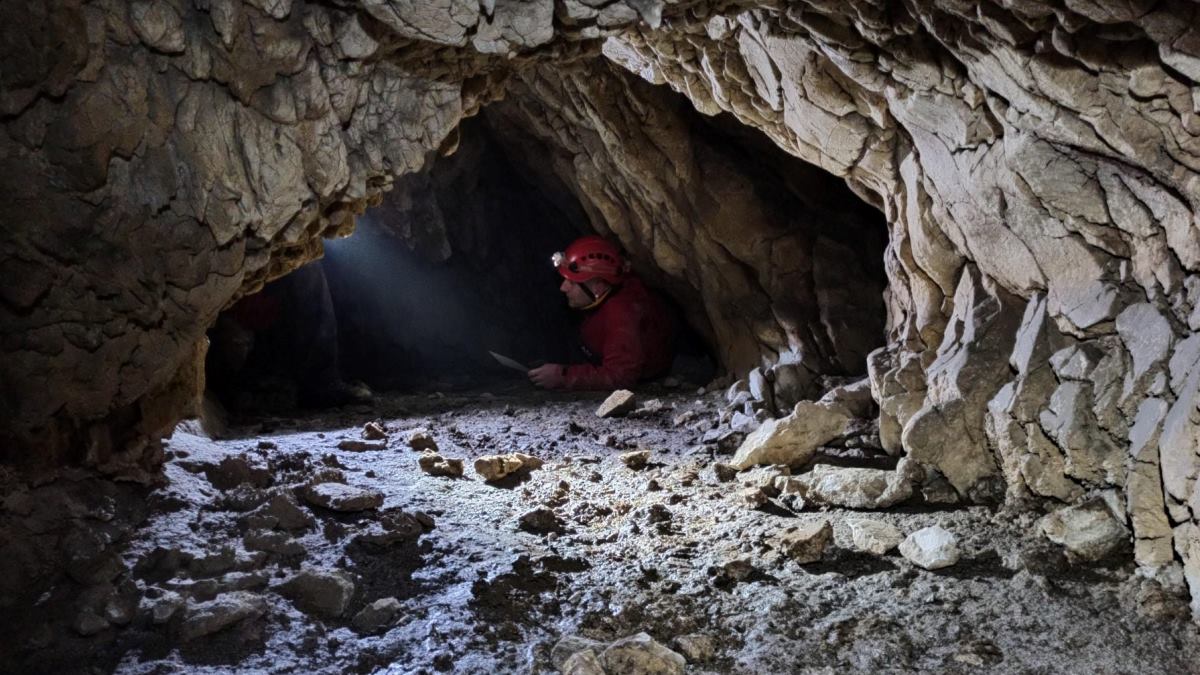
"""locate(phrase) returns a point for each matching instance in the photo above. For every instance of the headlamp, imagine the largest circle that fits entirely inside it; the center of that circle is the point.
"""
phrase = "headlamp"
(558, 259)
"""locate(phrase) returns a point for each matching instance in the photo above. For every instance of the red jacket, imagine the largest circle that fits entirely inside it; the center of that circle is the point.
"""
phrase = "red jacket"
(631, 333)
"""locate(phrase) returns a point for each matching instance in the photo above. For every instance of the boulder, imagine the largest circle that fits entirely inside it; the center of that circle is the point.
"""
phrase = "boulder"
(286, 512)
(874, 536)
(322, 592)
(641, 655)
(793, 439)
(355, 445)
(341, 497)
(931, 548)
(1088, 531)
(618, 403)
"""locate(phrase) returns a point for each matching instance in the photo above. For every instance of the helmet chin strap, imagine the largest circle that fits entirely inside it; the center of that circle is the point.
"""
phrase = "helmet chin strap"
(596, 299)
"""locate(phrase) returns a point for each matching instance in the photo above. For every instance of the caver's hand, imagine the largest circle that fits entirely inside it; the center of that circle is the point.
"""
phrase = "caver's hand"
(549, 376)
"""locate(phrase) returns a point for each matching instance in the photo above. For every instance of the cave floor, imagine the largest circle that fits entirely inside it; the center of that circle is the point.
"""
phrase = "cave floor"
(640, 550)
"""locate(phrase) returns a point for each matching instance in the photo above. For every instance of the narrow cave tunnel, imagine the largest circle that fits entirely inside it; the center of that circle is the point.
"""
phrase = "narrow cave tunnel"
(911, 386)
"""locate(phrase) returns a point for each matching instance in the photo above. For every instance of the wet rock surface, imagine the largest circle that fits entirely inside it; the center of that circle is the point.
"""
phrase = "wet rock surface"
(441, 575)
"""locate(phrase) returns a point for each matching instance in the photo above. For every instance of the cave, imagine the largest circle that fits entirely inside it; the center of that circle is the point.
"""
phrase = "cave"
(933, 268)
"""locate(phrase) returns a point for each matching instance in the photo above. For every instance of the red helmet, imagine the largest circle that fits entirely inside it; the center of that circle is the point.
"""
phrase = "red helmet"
(591, 257)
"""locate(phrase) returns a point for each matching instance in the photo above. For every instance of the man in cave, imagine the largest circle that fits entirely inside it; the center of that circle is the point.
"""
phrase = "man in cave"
(627, 331)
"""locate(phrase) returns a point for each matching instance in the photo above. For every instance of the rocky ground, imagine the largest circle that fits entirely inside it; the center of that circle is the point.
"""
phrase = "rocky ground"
(328, 544)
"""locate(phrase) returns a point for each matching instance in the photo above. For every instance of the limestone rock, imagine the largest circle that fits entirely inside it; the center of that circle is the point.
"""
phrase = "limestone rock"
(209, 617)
(1089, 531)
(640, 654)
(341, 497)
(540, 520)
(495, 467)
(286, 512)
(931, 548)
(856, 488)
(696, 647)
(636, 460)
(584, 662)
(793, 439)
(436, 465)
(374, 431)
(421, 440)
(571, 644)
(376, 615)
(323, 592)
(355, 445)
(806, 543)
(874, 536)
(618, 403)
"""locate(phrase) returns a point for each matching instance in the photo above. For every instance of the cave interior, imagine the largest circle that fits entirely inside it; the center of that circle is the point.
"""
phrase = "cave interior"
(934, 272)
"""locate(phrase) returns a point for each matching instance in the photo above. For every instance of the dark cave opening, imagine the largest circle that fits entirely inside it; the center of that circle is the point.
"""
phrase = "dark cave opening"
(454, 264)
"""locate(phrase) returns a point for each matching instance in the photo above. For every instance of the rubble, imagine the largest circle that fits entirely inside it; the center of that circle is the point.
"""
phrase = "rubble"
(436, 465)
(618, 404)
(495, 467)
(931, 548)
(342, 497)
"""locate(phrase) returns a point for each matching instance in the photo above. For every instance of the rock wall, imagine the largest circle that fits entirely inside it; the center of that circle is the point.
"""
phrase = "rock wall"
(1037, 163)
(776, 260)
(161, 158)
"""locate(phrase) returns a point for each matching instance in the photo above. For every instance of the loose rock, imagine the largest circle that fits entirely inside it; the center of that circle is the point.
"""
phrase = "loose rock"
(541, 520)
(931, 548)
(1088, 531)
(354, 445)
(421, 439)
(806, 544)
(874, 536)
(374, 431)
(495, 467)
(341, 497)
(696, 647)
(209, 617)
(641, 655)
(436, 465)
(618, 403)
(325, 593)
(636, 460)
(376, 615)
